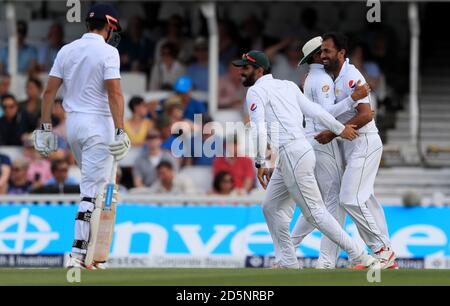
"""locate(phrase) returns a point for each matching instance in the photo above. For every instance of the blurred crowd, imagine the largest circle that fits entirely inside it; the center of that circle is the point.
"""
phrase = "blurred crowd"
(175, 61)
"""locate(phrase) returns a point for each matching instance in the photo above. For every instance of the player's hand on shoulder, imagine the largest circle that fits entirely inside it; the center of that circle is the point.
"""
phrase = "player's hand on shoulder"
(44, 140)
(349, 132)
(361, 91)
(121, 144)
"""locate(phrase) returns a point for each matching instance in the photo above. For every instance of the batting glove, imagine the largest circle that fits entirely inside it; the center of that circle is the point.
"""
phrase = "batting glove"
(44, 140)
(121, 145)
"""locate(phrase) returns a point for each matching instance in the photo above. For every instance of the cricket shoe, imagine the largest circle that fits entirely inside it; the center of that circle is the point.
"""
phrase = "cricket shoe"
(387, 258)
(77, 261)
(365, 262)
(100, 265)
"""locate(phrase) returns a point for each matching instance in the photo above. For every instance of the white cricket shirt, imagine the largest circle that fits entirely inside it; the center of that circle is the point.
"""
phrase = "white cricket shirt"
(319, 88)
(84, 65)
(276, 109)
(343, 87)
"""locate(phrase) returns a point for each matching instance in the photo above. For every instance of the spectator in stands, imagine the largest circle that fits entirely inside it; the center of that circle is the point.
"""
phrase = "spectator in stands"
(170, 183)
(32, 105)
(198, 70)
(228, 47)
(231, 92)
(19, 183)
(183, 89)
(164, 126)
(209, 142)
(55, 41)
(284, 58)
(223, 184)
(168, 69)
(144, 169)
(5, 173)
(240, 167)
(5, 83)
(27, 55)
(138, 125)
(136, 48)
(175, 34)
(39, 168)
(15, 124)
(253, 37)
(60, 172)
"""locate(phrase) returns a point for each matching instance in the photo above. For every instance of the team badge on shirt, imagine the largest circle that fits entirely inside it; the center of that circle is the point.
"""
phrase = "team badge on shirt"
(351, 84)
(253, 107)
(325, 88)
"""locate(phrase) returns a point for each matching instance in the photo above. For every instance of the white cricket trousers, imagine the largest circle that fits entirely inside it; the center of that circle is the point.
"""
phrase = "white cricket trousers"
(293, 178)
(89, 136)
(328, 171)
(363, 207)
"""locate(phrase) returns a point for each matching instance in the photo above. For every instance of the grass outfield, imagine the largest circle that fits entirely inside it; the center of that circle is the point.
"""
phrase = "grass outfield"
(222, 277)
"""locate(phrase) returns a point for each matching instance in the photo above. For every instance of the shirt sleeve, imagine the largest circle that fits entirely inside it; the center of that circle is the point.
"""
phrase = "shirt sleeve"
(57, 68)
(316, 112)
(112, 66)
(256, 111)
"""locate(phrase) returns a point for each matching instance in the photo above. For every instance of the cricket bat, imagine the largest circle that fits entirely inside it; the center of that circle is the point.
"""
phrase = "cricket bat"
(107, 218)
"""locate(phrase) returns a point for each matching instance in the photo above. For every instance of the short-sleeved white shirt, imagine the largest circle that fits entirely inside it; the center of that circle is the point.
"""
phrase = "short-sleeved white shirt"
(343, 87)
(84, 65)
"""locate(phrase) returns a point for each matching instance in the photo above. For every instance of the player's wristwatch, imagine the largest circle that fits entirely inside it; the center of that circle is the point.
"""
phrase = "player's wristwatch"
(119, 131)
(259, 165)
(46, 127)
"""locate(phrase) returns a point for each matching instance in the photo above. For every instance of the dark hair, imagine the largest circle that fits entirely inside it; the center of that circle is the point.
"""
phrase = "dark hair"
(164, 164)
(7, 96)
(95, 24)
(35, 81)
(219, 178)
(56, 163)
(172, 48)
(267, 71)
(135, 101)
(339, 39)
(22, 26)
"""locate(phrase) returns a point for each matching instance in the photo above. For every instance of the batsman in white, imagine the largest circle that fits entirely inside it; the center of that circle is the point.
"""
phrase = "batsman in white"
(361, 158)
(275, 108)
(89, 71)
(319, 88)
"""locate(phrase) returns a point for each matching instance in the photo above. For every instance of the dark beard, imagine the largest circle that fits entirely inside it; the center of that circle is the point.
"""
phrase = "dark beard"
(332, 66)
(250, 80)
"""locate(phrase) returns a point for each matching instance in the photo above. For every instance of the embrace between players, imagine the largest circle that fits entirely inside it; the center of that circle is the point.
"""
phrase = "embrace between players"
(325, 175)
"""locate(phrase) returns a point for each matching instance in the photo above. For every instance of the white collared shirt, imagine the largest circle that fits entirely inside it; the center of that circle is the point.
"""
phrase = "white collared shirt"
(319, 88)
(84, 65)
(343, 86)
(276, 109)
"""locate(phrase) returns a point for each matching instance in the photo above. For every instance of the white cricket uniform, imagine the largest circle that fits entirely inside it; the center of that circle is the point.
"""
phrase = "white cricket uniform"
(276, 109)
(84, 65)
(362, 158)
(319, 88)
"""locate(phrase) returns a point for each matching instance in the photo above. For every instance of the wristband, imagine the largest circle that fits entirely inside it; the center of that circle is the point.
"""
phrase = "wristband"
(46, 127)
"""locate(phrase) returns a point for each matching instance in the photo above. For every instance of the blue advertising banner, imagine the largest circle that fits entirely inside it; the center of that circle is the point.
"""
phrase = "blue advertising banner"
(203, 230)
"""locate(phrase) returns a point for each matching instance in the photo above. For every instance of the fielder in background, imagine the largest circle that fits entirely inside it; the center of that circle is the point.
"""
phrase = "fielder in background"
(89, 71)
(319, 88)
(361, 156)
(276, 110)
